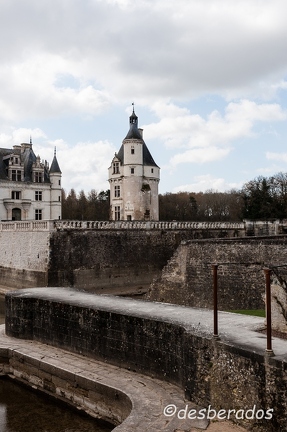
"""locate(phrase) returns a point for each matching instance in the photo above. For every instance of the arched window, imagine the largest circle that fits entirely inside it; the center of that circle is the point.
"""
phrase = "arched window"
(16, 214)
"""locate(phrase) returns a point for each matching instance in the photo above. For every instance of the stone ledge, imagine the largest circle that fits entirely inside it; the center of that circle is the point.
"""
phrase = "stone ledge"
(129, 400)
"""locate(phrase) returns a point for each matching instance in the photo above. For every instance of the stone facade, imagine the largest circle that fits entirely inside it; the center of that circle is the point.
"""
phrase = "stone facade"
(29, 188)
(134, 178)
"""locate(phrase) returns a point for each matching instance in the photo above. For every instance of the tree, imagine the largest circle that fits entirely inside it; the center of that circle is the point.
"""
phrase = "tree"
(260, 200)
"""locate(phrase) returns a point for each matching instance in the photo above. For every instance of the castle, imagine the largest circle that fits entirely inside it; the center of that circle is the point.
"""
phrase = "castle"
(134, 178)
(29, 189)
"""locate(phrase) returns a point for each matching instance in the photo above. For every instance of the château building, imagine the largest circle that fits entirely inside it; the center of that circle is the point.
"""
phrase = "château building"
(29, 188)
(134, 178)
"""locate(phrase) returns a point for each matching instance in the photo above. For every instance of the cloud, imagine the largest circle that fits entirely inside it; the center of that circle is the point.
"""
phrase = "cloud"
(84, 166)
(120, 49)
(211, 139)
(281, 157)
(207, 182)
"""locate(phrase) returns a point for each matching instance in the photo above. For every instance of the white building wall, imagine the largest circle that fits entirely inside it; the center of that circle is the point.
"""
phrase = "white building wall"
(27, 202)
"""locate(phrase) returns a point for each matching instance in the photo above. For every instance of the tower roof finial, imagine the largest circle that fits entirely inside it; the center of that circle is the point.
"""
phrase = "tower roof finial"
(30, 139)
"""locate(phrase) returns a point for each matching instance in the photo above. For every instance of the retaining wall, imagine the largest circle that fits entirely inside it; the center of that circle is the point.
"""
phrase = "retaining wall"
(98, 256)
(157, 340)
(187, 278)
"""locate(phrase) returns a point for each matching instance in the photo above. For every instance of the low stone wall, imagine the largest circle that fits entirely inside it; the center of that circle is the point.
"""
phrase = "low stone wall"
(187, 278)
(72, 387)
(158, 340)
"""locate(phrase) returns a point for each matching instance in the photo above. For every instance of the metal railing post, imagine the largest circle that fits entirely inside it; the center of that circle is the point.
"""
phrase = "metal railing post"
(215, 306)
(267, 272)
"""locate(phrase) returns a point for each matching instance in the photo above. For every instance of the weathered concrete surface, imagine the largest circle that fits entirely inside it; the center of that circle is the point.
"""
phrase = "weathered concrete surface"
(166, 341)
(130, 401)
(187, 278)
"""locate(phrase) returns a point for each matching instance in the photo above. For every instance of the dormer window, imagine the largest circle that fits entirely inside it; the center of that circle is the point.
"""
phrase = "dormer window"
(16, 175)
(116, 168)
(38, 177)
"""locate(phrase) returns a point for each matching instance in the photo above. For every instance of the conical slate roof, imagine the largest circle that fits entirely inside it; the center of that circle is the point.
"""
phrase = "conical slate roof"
(55, 166)
(134, 133)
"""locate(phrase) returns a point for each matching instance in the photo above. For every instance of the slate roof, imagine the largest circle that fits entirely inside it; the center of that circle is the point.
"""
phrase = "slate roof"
(55, 166)
(27, 157)
(134, 133)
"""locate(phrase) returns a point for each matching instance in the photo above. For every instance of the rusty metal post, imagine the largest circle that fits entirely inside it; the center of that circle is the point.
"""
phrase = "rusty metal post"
(267, 272)
(215, 307)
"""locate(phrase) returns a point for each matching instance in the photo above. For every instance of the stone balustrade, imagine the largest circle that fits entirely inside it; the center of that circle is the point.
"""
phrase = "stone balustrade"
(147, 225)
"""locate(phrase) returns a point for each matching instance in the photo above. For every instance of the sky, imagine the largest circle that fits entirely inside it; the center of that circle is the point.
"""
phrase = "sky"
(208, 80)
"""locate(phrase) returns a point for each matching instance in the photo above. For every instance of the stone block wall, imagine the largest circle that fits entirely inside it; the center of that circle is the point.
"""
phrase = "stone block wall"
(144, 340)
(95, 259)
(24, 255)
(187, 278)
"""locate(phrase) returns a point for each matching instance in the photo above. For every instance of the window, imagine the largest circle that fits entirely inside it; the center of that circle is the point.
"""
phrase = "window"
(117, 213)
(59, 198)
(16, 195)
(116, 168)
(117, 191)
(38, 177)
(16, 175)
(38, 214)
(38, 195)
(132, 150)
(59, 182)
(132, 170)
(152, 170)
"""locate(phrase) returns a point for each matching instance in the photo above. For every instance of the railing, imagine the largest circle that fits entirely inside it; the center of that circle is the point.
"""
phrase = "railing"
(50, 225)
(148, 225)
(46, 225)
(267, 273)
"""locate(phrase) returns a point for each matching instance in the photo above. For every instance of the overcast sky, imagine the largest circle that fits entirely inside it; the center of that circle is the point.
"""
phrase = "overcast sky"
(208, 79)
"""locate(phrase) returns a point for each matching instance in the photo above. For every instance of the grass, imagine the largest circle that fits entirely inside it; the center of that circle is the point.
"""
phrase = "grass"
(254, 312)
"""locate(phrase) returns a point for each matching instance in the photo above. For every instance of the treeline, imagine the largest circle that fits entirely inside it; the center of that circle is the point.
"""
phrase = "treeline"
(261, 198)
(93, 206)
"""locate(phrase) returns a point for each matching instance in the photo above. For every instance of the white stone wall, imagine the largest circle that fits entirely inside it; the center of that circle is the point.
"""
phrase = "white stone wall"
(27, 202)
(24, 250)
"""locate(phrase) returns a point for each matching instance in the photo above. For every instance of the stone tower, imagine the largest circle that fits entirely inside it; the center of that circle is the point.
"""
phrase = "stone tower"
(134, 178)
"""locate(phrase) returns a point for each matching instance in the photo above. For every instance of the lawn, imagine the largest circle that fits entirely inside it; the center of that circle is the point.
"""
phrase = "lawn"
(255, 312)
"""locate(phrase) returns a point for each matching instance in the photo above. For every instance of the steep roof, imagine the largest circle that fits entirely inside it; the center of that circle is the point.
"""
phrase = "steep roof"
(134, 133)
(55, 166)
(27, 157)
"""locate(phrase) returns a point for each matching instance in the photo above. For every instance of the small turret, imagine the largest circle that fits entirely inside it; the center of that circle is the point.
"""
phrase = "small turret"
(55, 175)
